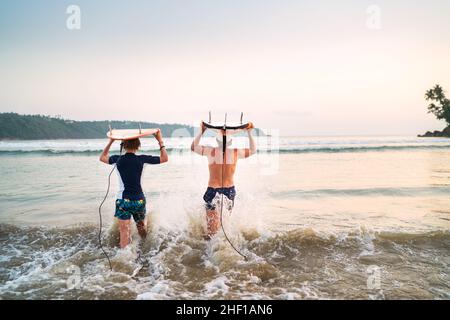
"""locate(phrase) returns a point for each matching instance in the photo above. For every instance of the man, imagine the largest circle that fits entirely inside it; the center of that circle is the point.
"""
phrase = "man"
(221, 173)
(131, 200)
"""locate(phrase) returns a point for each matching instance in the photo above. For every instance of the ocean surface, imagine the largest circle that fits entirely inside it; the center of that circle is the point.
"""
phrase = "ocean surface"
(317, 218)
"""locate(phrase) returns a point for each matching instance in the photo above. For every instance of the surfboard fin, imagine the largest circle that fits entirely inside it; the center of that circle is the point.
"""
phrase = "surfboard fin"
(225, 123)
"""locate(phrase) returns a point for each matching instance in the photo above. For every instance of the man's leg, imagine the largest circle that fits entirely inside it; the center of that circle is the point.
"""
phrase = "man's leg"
(212, 217)
(212, 222)
(124, 230)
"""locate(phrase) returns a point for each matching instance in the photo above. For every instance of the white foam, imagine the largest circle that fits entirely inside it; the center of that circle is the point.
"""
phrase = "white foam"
(217, 285)
(161, 290)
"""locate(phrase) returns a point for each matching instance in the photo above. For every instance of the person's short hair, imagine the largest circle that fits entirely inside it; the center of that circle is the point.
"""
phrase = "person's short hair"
(133, 144)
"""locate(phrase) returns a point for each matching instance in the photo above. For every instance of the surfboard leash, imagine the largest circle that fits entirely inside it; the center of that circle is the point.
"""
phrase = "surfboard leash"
(224, 147)
(100, 210)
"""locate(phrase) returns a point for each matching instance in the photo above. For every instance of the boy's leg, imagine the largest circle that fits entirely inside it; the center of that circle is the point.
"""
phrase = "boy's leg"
(142, 228)
(124, 230)
(139, 216)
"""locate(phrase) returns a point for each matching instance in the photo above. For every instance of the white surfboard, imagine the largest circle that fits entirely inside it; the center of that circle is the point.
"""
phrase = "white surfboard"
(129, 134)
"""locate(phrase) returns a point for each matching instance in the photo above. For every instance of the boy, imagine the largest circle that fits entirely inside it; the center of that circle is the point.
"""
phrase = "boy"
(131, 199)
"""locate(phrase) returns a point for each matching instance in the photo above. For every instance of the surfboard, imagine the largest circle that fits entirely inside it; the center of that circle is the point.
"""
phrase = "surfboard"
(230, 128)
(128, 134)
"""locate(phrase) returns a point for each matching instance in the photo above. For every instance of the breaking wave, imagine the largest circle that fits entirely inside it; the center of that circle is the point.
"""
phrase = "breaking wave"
(284, 150)
(66, 263)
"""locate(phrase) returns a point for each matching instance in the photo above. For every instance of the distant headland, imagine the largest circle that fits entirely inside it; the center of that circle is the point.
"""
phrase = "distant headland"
(440, 107)
(15, 126)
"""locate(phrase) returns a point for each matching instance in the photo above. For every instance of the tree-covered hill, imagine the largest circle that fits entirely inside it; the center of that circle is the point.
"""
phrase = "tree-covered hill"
(34, 127)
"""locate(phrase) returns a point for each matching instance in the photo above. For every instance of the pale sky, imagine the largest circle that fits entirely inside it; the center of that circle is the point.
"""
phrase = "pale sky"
(304, 67)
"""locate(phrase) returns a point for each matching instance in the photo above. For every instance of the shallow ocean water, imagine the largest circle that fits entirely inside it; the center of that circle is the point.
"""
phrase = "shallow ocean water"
(318, 218)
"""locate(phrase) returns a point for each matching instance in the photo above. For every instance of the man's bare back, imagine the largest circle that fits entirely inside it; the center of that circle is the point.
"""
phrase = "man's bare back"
(221, 174)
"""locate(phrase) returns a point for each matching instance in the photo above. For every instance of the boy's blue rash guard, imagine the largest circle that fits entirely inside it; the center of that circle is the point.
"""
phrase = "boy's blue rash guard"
(130, 169)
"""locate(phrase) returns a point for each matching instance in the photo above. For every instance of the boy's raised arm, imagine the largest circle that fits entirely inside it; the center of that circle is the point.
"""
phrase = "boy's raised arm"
(164, 157)
(104, 157)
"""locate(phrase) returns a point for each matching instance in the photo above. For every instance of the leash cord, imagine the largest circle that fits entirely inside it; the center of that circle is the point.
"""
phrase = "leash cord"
(221, 202)
(100, 211)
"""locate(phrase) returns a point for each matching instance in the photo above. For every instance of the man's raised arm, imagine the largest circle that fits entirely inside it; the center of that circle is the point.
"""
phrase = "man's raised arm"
(195, 146)
(247, 152)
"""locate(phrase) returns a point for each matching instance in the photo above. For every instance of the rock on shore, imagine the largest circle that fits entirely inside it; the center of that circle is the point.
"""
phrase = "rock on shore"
(443, 133)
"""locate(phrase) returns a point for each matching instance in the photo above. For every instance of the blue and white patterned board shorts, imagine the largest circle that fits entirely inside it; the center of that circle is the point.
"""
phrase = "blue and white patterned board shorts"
(125, 208)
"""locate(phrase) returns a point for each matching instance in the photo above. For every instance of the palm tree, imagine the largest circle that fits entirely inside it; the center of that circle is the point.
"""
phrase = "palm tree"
(429, 95)
(439, 92)
(440, 105)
